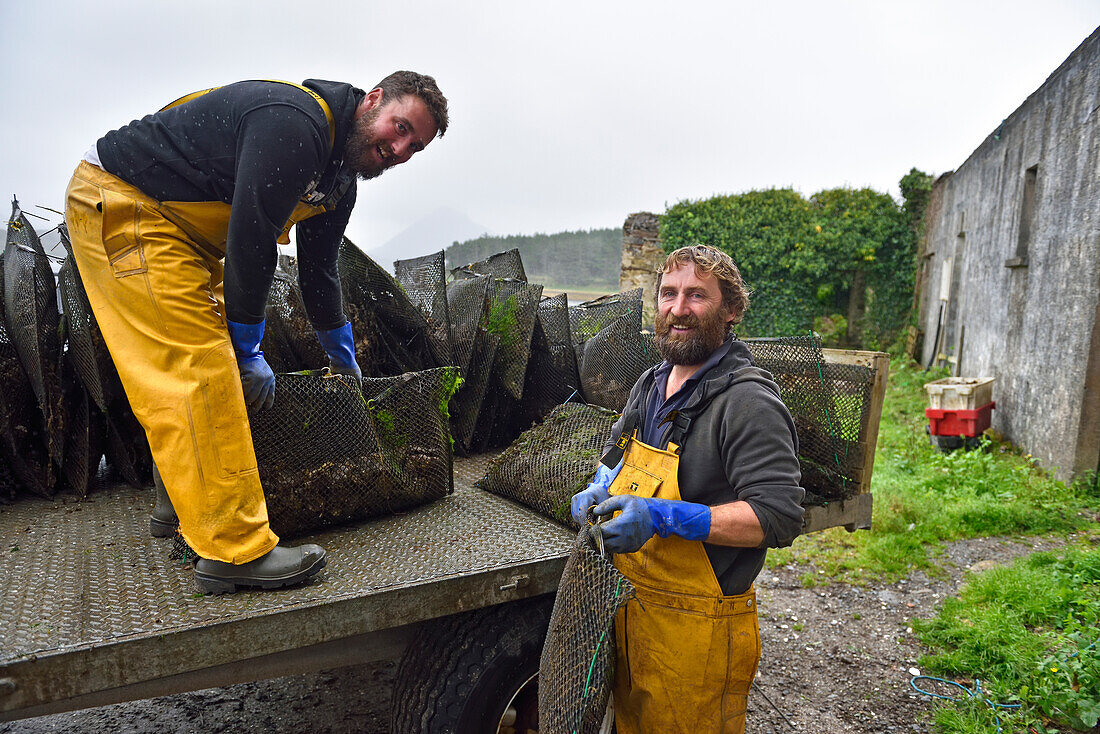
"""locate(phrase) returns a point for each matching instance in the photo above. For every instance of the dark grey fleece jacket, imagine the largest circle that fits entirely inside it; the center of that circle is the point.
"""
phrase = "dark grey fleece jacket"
(741, 445)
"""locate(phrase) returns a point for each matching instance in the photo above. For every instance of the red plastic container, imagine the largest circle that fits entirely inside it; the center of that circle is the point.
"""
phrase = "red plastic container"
(960, 422)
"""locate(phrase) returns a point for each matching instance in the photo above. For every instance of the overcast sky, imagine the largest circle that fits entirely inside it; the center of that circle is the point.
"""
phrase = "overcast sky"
(564, 114)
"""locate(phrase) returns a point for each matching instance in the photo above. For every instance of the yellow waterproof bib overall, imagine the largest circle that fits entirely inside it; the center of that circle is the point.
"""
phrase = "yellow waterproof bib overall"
(687, 654)
(153, 274)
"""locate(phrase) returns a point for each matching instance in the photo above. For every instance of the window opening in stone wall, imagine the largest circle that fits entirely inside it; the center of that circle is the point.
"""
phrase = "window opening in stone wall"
(1027, 216)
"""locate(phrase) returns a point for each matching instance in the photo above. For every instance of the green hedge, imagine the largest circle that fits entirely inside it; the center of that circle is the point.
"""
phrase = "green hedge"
(808, 261)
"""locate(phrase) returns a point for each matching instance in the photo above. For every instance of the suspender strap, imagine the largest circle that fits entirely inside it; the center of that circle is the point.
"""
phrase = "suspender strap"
(316, 98)
(615, 454)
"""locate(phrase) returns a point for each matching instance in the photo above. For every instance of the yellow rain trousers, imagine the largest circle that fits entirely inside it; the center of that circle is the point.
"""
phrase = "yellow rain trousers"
(687, 654)
(153, 274)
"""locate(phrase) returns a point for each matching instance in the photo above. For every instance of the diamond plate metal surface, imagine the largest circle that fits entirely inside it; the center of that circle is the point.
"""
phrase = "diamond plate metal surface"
(75, 574)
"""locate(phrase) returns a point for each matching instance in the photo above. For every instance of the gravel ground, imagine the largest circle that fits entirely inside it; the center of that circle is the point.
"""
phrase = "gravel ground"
(836, 658)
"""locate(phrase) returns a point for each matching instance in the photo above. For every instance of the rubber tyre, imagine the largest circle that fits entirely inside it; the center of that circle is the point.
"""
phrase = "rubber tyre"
(459, 674)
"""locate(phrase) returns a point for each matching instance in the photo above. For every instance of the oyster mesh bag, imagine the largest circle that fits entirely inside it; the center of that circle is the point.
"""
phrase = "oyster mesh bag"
(85, 428)
(513, 309)
(331, 451)
(611, 362)
(576, 670)
(829, 403)
(85, 351)
(30, 305)
(474, 351)
(589, 318)
(552, 461)
(552, 369)
(290, 343)
(391, 335)
(503, 265)
(425, 282)
(22, 443)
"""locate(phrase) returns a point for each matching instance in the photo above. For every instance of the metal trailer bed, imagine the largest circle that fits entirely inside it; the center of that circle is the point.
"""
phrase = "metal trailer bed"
(93, 611)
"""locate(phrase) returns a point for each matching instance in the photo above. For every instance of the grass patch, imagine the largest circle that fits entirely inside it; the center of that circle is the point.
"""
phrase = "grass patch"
(1029, 632)
(924, 498)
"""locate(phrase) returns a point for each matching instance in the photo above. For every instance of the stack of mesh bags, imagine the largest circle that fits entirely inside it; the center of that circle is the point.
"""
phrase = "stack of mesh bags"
(494, 311)
(829, 404)
(424, 280)
(332, 450)
(100, 420)
(31, 314)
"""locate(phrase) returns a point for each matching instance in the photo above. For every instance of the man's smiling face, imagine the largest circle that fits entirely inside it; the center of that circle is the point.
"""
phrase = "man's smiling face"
(388, 133)
(691, 317)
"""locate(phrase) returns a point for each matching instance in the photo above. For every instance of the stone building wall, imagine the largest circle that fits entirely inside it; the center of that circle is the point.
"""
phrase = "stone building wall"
(1011, 268)
(642, 254)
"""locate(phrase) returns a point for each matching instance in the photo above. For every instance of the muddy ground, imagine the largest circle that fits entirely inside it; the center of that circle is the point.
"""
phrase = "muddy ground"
(836, 658)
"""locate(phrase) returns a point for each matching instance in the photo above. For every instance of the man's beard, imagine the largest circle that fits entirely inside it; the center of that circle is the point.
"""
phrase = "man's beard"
(359, 153)
(693, 348)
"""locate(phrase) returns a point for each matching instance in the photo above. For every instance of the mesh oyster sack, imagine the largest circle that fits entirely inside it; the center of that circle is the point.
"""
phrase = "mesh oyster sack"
(503, 265)
(290, 342)
(577, 667)
(552, 369)
(589, 318)
(425, 281)
(85, 426)
(552, 461)
(85, 349)
(474, 352)
(126, 445)
(22, 443)
(829, 403)
(391, 335)
(610, 362)
(331, 451)
(30, 306)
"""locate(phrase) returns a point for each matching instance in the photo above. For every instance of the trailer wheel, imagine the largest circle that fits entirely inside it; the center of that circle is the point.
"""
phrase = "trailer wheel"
(473, 673)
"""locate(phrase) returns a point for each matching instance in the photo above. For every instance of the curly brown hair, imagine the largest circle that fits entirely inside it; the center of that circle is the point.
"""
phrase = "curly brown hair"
(401, 83)
(710, 260)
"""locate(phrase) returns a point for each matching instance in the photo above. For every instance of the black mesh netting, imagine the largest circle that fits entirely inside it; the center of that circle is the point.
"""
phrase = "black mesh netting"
(425, 281)
(329, 453)
(30, 303)
(22, 444)
(86, 352)
(552, 461)
(391, 335)
(126, 446)
(589, 318)
(576, 671)
(290, 342)
(610, 362)
(8, 484)
(503, 265)
(474, 352)
(552, 368)
(829, 404)
(85, 428)
(513, 309)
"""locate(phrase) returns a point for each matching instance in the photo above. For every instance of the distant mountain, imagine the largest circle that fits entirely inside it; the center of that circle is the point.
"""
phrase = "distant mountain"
(435, 232)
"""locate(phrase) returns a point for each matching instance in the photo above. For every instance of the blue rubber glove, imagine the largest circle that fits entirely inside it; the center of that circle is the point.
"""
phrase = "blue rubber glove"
(257, 379)
(340, 348)
(643, 517)
(594, 493)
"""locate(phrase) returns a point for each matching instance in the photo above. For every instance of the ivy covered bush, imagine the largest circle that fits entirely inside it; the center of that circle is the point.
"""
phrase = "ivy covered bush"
(840, 262)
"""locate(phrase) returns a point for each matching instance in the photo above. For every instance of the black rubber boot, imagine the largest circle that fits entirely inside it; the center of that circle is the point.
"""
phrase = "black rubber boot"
(162, 520)
(277, 568)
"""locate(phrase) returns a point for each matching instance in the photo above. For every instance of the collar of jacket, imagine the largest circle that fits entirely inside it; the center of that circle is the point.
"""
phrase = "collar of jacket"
(735, 367)
(343, 99)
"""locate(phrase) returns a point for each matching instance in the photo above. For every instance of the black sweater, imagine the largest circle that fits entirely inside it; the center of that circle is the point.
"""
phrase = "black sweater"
(257, 146)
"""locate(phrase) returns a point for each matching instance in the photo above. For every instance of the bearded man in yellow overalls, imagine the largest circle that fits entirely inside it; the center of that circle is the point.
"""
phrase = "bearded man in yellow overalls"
(174, 221)
(702, 476)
